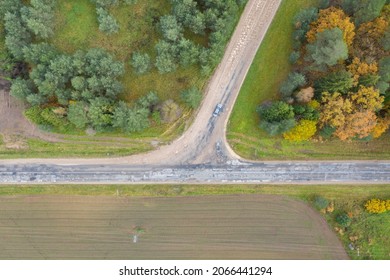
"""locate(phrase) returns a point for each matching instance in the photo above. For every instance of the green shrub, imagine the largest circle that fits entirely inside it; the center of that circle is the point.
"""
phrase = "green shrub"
(343, 220)
(320, 202)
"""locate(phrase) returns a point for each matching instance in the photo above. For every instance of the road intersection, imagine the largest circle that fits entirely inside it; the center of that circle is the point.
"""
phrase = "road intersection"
(201, 154)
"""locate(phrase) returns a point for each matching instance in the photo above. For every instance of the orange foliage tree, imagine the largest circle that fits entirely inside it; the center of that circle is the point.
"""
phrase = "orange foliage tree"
(359, 68)
(331, 18)
(381, 126)
(359, 124)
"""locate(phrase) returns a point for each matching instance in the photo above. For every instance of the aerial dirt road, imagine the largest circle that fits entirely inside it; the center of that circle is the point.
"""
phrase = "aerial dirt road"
(202, 154)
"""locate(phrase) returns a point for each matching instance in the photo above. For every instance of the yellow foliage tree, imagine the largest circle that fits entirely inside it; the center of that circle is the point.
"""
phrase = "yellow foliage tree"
(359, 68)
(367, 98)
(381, 126)
(359, 124)
(302, 132)
(374, 29)
(331, 18)
(334, 109)
(314, 104)
(377, 206)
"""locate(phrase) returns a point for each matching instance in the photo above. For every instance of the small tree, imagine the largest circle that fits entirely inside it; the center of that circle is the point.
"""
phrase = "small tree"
(141, 63)
(293, 81)
(192, 97)
(276, 111)
(107, 23)
(328, 49)
(77, 114)
(341, 81)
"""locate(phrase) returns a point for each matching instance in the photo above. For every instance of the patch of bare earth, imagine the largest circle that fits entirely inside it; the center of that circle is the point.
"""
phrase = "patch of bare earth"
(213, 227)
(13, 125)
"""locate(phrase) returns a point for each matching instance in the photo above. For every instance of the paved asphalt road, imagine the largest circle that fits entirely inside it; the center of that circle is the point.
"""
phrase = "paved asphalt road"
(202, 155)
(233, 172)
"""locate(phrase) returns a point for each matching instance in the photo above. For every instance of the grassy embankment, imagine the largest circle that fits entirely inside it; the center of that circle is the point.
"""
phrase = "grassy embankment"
(269, 69)
(372, 230)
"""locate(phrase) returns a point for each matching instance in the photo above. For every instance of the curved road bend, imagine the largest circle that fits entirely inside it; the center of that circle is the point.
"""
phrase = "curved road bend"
(201, 154)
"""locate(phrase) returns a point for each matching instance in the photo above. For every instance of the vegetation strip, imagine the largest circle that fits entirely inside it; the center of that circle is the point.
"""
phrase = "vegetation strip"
(303, 103)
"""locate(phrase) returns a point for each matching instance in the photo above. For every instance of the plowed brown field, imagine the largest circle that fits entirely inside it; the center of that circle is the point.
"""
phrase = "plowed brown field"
(212, 227)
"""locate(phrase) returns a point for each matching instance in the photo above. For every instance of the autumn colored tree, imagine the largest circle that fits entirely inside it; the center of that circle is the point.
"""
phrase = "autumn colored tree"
(381, 127)
(305, 95)
(334, 109)
(359, 68)
(366, 98)
(303, 131)
(359, 124)
(331, 18)
(368, 43)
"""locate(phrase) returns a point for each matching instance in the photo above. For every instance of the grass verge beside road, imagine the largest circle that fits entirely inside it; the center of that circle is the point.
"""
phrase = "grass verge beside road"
(269, 69)
(372, 230)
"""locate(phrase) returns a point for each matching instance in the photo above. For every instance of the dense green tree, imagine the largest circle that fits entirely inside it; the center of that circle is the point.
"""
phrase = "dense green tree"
(277, 128)
(39, 17)
(22, 88)
(275, 111)
(10, 6)
(107, 23)
(304, 112)
(17, 35)
(363, 10)
(192, 97)
(294, 80)
(276, 117)
(170, 28)
(100, 113)
(105, 3)
(140, 62)
(166, 57)
(341, 81)
(369, 80)
(302, 22)
(42, 53)
(77, 114)
(130, 119)
(188, 52)
(148, 101)
(328, 49)
(386, 40)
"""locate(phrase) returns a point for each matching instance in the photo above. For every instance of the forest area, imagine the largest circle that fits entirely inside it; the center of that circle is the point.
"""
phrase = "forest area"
(339, 83)
(70, 90)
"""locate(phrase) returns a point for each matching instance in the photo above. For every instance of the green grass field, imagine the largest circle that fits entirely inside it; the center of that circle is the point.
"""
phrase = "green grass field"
(268, 70)
(372, 230)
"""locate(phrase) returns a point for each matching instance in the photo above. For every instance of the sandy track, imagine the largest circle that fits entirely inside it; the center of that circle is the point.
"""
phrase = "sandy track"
(198, 143)
(215, 227)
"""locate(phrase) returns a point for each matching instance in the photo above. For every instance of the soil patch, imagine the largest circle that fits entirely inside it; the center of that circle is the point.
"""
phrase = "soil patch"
(212, 227)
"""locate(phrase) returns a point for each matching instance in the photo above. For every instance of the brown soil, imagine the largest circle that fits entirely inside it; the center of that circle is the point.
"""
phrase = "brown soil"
(213, 227)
